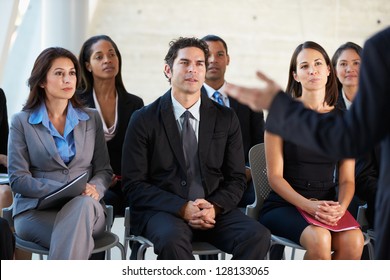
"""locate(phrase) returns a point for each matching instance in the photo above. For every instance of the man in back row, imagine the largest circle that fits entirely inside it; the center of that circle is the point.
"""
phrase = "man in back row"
(180, 194)
(251, 123)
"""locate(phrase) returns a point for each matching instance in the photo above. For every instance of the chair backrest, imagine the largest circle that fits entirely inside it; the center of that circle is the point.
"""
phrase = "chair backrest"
(260, 180)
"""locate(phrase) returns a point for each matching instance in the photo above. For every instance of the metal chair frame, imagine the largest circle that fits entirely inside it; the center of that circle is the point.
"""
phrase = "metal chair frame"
(198, 248)
(262, 188)
(362, 220)
(105, 242)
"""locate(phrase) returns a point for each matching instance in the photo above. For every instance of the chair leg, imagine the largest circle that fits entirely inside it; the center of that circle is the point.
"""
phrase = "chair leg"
(370, 248)
(122, 249)
(292, 253)
(141, 252)
(126, 245)
(267, 257)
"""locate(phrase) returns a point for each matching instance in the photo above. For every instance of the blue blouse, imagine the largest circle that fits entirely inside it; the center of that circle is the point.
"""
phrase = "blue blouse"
(65, 144)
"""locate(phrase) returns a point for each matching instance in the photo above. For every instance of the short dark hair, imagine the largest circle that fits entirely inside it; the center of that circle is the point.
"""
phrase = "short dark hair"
(85, 56)
(347, 46)
(295, 89)
(41, 67)
(185, 42)
(215, 38)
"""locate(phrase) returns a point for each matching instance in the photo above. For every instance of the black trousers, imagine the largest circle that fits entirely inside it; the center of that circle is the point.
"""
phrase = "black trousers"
(7, 241)
(234, 233)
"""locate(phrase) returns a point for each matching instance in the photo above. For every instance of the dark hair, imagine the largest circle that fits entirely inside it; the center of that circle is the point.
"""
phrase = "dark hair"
(347, 46)
(295, 88)
(85, 56)
(215, 38)
(41, 67)
(183, 42)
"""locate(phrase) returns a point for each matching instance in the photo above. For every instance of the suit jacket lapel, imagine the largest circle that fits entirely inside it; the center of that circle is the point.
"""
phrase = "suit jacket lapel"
(79, 135)
(233, 104)
(172, 132)
(48, 142)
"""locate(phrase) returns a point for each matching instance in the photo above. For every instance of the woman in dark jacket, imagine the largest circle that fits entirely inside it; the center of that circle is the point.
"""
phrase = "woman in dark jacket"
(103, 89)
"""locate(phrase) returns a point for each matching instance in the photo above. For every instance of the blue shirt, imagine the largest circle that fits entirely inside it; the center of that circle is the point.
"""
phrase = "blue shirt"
(221, 90)
(65, 144)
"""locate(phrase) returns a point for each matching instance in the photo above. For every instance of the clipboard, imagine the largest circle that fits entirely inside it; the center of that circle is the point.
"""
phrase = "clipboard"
(61, 196)
(347, 222)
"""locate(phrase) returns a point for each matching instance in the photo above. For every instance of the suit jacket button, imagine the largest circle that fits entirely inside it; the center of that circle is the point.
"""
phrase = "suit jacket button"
(183, 183)
(66, 172)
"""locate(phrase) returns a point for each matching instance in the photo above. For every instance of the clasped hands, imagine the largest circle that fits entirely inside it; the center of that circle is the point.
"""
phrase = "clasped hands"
(327, 211)
(200, 214)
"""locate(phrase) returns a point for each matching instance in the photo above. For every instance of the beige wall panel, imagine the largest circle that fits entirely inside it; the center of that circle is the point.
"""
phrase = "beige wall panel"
(260, 34)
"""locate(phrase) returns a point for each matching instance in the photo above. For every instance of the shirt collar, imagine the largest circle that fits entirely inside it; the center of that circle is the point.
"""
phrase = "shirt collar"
(178, 109)
(210, 90)
(346, 101)
(40, 115)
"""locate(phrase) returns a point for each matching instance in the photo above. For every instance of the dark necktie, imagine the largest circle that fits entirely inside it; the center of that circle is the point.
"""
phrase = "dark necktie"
(218, 97)
(190, 149)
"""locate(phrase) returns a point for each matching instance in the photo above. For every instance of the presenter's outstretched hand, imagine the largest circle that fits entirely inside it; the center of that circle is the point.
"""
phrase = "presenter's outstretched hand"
(256, 98)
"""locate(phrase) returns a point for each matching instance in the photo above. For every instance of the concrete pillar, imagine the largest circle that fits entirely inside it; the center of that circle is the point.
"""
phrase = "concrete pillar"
(8, 13)
(64, 23)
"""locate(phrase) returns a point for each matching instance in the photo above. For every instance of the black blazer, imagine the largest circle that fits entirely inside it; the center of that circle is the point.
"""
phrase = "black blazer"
(4, 130)
(365, 124)
(127, 105)
(251, 123)
(340, 101)
(366, 166)
(153, 166)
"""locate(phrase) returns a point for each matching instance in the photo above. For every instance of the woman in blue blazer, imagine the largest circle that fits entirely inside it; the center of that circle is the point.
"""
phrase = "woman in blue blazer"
(52, 141)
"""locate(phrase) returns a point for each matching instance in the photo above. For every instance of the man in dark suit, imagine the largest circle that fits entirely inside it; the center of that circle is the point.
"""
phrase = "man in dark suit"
(252, 123)
(367, 168)
(169, 205)
(365, 124)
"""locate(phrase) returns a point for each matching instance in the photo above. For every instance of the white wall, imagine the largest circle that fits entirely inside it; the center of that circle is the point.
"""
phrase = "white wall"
(260, 35)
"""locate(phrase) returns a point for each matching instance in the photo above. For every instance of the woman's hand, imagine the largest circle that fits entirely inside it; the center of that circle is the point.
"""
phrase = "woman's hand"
(3, 160)
(91, 191)
(329, 212)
